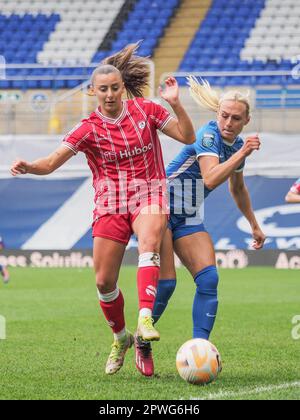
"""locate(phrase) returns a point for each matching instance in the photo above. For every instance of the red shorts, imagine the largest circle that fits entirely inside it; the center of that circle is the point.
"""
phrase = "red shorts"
(118, 227)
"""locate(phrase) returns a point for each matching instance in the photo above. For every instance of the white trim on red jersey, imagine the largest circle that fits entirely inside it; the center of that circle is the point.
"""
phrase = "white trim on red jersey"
(113, 120)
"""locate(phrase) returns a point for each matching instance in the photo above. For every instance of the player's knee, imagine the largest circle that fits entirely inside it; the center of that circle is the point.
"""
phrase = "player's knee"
(207, 281)
(149, 243)
(104, 283)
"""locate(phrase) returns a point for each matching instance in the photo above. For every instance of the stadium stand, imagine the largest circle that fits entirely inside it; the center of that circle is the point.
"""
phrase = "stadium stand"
(66, 31)
(235, 35)
(186, 22)
(51, 43)
(65, 36)
(263, 35)
(146, 22)
(81, 30)
(276, 35)
(22, 37)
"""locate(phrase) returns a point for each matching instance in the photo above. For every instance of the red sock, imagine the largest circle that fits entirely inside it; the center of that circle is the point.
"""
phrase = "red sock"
(114, 313)
(147, 280)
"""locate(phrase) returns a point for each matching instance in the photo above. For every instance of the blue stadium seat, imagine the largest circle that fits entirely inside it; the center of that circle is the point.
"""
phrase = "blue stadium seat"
(145, 51)
(189, 64)
(243, 66)
(5, 84)
(258, 65)
(286, 65)
(220, 48)
(22, 37)
(18, 84)
(264, 80)
(216, 45)
(73, 83)
(31, 84)
(221, 81)
(215, 12)
(291, 81)
(147, 21)
(271, 66)
(59, 84)
(46, 84)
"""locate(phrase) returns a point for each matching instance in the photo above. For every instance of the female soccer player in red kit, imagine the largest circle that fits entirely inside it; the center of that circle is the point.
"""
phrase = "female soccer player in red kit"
(123, 151)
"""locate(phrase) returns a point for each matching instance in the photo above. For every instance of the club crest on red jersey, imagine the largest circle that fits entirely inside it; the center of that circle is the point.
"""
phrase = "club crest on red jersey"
(142, 125)
(110, 156)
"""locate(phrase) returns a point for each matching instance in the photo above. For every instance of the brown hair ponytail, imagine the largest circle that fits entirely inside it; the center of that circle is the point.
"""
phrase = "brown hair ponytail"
(135, 70)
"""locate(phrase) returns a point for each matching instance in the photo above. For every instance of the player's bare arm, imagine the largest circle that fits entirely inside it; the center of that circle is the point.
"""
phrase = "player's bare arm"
(180, 129)
(215, 173)
(240, 194)
(43, 166)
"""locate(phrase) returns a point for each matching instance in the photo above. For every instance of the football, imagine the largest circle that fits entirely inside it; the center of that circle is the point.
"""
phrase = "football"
(198, 361)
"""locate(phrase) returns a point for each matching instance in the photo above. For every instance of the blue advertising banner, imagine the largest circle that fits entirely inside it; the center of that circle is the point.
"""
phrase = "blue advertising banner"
(57, 214)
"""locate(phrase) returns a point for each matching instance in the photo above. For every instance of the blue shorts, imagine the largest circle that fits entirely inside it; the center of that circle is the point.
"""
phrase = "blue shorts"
(181, 226)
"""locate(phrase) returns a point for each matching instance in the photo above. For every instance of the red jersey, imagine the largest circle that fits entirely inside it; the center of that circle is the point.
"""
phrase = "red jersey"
(125, 154)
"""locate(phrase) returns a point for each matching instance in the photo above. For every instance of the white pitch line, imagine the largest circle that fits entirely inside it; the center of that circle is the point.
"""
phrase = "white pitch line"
(250, 391)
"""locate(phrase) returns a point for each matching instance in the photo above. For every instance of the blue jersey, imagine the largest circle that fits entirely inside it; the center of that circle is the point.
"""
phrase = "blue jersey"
(186, 167)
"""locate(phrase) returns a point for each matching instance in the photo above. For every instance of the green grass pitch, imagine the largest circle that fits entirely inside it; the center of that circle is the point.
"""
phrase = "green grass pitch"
(57, 340)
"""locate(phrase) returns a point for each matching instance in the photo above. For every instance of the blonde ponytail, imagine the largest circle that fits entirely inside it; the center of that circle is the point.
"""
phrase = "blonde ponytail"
(207, 98)
(203, 94)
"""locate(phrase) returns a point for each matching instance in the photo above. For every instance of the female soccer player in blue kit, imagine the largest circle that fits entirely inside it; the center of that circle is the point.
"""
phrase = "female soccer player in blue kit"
(217, 155)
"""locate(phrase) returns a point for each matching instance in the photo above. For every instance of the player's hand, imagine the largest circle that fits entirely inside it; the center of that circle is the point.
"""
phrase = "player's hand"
(259, 238)
(171, 92)
(251, 144)
(19, 167)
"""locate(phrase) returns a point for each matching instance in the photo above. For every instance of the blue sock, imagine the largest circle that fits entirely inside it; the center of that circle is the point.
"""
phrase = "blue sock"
(205, 302)
(165, 290)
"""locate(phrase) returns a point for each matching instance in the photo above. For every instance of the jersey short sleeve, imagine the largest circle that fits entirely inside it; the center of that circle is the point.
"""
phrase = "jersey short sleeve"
(207, 143)
(75, 139)
(159, 115)
(296, 187)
